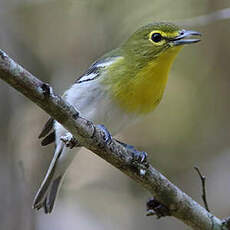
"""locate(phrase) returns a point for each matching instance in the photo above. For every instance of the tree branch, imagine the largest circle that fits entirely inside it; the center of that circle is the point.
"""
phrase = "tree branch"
(179, 204)
(204, 20)
(203, 182)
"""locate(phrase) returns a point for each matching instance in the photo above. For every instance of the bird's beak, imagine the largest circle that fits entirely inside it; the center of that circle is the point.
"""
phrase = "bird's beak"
(184, 38)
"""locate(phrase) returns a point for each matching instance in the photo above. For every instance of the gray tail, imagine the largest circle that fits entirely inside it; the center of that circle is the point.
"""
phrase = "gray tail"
(48, 191)
(51, 197)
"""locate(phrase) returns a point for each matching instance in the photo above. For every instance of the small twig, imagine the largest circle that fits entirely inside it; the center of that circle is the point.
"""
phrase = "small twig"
(203, 181)
(204, 20)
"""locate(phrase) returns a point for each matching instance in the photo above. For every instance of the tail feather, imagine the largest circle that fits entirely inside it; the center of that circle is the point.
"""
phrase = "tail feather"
(48, 180)
(48, 139)
(48, 191)
(47, 128)
(52, 195)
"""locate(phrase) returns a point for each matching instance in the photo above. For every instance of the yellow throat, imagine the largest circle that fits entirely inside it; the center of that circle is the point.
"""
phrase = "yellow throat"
(142, 93)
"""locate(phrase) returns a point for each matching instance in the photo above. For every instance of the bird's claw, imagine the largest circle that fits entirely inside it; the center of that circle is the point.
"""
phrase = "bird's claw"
(107, 136)
(139, 156)
(69, 140)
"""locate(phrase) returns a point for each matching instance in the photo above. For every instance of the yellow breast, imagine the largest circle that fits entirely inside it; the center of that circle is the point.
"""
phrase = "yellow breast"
(142, 93)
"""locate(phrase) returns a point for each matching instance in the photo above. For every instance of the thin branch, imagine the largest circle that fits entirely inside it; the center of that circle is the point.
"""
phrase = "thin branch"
(207, 19)
(180, 205)
(203, 182)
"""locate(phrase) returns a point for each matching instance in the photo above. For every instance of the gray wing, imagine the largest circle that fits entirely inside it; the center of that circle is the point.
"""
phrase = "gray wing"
(48, 137)
(95, 69)
(91, 74)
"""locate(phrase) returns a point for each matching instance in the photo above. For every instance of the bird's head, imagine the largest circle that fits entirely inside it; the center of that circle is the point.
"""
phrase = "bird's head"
(138, 79)
(153, 40)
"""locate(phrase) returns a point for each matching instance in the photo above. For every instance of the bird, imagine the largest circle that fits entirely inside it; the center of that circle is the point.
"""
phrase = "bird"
(119, 89)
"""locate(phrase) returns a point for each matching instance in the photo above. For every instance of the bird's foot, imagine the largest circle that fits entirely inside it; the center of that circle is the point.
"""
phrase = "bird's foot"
(69, 140)
(107, 136)
(155, 208)
(138, 156)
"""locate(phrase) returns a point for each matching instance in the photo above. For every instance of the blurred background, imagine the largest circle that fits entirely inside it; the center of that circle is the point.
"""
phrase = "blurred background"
(57, 40)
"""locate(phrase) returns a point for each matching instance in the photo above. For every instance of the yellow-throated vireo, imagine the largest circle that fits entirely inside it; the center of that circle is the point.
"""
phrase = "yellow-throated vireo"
(118, 89)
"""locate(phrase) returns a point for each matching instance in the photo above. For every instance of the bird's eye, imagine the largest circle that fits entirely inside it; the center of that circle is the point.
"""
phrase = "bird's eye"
(156, 37)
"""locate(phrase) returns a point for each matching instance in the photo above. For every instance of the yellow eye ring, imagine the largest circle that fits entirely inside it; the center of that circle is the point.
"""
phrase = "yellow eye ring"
(157, 37)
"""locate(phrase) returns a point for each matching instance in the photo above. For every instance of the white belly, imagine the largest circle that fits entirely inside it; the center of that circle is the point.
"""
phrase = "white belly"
(96, 105)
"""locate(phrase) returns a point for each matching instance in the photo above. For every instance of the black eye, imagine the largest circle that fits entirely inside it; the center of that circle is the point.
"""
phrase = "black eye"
(156, 37)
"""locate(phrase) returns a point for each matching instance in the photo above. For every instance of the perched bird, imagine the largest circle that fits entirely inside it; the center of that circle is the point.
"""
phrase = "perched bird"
(117, 90)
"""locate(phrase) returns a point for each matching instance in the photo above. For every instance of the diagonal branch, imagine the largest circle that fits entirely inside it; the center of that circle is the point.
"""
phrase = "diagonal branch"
(179, 204)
